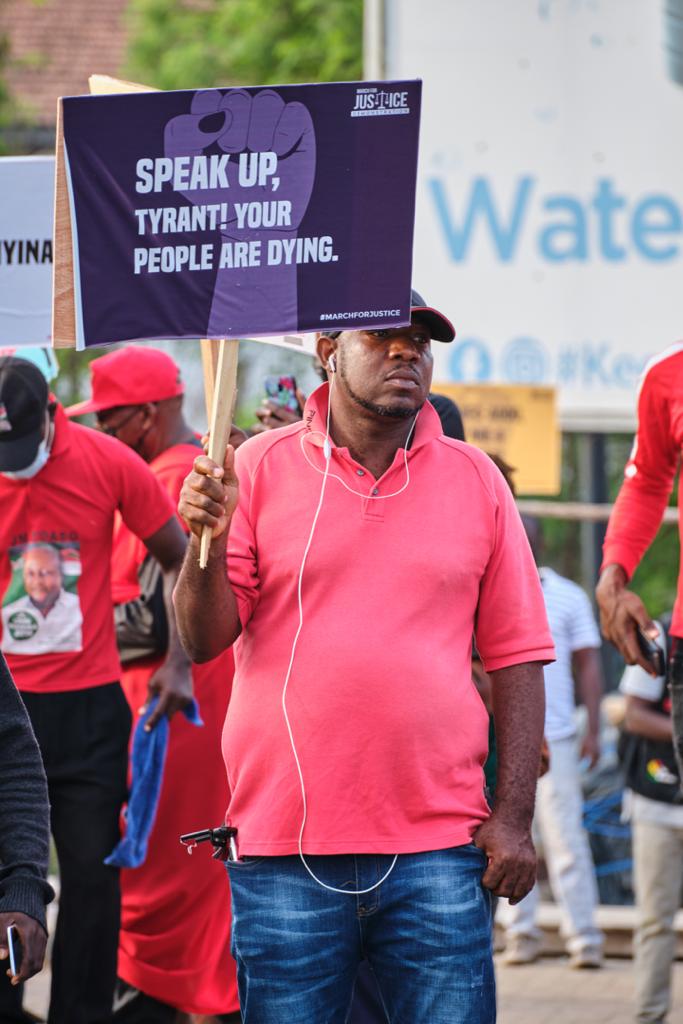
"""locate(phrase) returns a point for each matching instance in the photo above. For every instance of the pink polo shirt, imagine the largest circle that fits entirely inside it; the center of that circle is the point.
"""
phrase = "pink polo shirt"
(390, 731)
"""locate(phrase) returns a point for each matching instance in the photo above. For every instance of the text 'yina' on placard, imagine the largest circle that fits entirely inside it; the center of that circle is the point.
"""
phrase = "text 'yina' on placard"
(26, 191)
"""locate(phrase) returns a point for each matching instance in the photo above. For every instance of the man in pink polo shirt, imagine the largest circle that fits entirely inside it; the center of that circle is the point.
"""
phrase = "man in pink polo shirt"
(363, 550)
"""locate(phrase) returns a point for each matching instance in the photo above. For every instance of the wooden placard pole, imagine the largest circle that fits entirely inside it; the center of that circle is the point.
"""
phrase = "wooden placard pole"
(63, 303)
(209, 349)
(221, 419)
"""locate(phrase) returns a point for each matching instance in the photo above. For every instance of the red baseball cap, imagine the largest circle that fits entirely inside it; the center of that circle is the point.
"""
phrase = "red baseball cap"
(130, 376)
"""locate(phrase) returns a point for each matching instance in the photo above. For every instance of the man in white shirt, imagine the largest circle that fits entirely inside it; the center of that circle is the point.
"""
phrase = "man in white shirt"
(559, 800)
(657, 828)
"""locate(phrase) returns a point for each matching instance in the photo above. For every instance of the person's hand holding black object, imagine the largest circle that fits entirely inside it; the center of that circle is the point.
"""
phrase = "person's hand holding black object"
(651, 650)
(33, 942)
(622, 613)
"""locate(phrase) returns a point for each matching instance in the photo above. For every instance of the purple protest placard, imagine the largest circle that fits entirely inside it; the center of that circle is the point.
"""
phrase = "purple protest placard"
(242, 212)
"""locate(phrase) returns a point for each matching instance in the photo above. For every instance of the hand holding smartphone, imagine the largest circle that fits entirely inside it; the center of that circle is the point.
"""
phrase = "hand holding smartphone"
(23, 940)
(14, 946)
(652, 652)
(283, 391)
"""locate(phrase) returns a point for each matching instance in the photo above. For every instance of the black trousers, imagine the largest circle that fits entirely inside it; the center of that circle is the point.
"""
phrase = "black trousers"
(676, 688)
(10, 1000)
(83, 736)
(137, 1008)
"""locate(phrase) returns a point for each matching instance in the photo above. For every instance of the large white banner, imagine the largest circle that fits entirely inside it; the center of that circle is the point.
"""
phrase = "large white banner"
(550, 189)
(27, 187)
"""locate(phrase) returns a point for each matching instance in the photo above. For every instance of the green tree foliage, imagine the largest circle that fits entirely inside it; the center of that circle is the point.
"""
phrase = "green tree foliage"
(655, 578)
(185, 44)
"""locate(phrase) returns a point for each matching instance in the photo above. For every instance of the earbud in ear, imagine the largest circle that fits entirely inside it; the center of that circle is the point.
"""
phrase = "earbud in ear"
(332, 364)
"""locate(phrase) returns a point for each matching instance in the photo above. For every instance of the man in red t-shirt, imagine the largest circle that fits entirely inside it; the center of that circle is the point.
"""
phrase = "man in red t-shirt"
(636, 517)
(174, 945)
(61, 486)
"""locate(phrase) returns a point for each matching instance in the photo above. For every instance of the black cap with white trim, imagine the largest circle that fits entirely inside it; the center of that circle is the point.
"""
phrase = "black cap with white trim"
(23, 403)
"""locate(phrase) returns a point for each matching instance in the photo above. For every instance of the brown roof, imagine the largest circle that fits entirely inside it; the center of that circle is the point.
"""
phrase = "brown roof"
(55, 45)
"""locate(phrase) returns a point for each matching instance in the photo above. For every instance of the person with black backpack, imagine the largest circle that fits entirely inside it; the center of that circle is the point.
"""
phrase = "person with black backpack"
(656, 810)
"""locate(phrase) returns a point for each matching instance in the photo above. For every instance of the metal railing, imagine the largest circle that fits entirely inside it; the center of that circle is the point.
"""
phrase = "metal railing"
(582, 511)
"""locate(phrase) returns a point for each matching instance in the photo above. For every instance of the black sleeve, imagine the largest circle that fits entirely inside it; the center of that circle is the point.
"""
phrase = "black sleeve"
(24, 809)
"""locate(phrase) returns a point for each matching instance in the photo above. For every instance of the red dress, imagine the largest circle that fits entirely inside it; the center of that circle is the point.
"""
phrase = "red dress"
(175, 909)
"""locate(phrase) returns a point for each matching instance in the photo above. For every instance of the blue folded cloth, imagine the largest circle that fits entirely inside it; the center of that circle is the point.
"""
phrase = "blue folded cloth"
(148, 757)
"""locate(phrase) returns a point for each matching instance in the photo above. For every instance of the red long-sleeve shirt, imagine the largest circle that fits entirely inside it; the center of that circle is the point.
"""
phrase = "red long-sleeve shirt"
(651, 470)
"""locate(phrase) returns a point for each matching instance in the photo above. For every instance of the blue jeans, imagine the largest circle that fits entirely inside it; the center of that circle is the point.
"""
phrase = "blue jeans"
(425, 932)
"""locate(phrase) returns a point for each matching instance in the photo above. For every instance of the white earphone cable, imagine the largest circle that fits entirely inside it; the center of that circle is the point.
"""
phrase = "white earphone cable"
(326, 475)
(328, 453)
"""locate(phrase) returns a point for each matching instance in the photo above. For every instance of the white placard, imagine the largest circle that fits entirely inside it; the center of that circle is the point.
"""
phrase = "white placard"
(550, 191)
(27, 187)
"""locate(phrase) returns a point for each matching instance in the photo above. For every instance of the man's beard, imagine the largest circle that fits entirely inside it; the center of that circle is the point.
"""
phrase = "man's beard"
(396, 412)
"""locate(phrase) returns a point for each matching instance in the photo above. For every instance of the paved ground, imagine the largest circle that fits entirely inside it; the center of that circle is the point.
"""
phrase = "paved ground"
(547, 992)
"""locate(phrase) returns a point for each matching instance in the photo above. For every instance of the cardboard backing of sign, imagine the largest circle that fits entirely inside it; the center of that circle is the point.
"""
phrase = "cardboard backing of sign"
(63, 298)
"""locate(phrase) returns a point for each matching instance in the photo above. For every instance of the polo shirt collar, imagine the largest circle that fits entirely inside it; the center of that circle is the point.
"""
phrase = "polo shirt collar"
(427, 428)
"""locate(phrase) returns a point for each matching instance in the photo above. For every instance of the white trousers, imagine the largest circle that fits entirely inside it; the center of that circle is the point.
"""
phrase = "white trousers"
(558, 819)
(658, 875)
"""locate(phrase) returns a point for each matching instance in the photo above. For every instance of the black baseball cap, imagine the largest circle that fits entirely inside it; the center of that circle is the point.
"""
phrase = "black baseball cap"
(23, 402)
(440, 327)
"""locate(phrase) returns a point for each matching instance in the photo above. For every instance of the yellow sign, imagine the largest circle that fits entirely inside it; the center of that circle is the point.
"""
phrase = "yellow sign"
(516, 422)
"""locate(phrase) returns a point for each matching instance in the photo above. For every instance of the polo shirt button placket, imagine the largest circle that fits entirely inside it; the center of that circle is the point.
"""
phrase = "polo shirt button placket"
(372, 509)
(360, 472)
